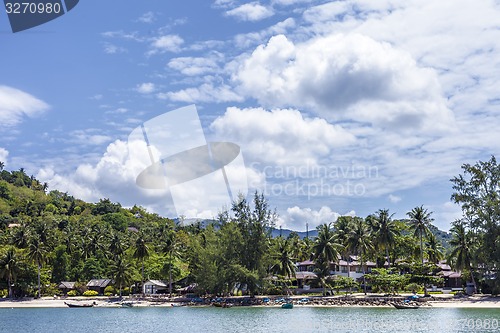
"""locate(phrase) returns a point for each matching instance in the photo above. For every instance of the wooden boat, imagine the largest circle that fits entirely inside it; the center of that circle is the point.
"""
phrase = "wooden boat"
(405, 306)
(287, 306)
(80, 305)
(127, 304)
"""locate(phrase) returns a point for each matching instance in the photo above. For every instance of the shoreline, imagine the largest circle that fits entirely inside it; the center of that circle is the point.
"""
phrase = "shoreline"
(479, 302)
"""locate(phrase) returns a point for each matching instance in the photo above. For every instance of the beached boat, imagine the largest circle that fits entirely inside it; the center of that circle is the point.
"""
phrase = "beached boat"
(80, 305)
(127, 304)
(405, 306)
(287, 306)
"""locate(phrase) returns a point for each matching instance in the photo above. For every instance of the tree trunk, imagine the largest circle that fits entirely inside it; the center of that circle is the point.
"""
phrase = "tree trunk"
(421, 248)
(142, 286)
(170, 279)
(10, 285)
(39, 289)
(387, 256)
(120, 290)
(363, 271)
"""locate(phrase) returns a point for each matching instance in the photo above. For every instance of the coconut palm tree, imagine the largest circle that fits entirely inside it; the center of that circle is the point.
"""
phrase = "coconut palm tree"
(284, 265)
(37, 253)
(324, 251)
(121, 271)
(385, 231)
(141, 252)
(9, 267)
(462, 244)
(359, 239)
(420, 219)
(171, 249)
(116, 245)
(342, 228)
(434, 249)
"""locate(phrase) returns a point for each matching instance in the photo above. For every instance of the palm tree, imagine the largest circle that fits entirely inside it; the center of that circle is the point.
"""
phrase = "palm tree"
(20, 236)
(2, 165)
(121, 272)
(38, 255)
(284, 265)
(462, 248)
(342, 230)
(386, 231)
(116, 245)
(434, 249)
(141, 252)
(9, 268)
(420, 219)
(170, 247)
(359, 239)
(325, 251)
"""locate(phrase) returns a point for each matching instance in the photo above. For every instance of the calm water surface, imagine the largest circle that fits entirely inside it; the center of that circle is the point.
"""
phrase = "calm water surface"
(248, 319)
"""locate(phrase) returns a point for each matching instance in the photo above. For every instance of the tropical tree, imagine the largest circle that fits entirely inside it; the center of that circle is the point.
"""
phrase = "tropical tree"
(116, 245)
(141, 252)
(435, 251)
(9, 267)
(121, 271)
(385, 231)
(359, 239)
(2, 165)
(324, 251)
(171, 249)
(462, 249)
(284, 265)
(420, 219)
(342, 229)
(37, 253)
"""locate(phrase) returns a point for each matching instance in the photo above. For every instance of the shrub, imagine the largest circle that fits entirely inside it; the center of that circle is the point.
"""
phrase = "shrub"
(414, 287)
(73, 292)
(4, 293)
(109, 290)
(90, 293)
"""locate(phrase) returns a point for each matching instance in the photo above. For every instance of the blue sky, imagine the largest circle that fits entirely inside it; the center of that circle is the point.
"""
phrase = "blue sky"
(339, 107)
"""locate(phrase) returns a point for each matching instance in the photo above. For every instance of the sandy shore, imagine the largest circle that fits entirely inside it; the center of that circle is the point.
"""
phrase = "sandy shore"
(437, 302)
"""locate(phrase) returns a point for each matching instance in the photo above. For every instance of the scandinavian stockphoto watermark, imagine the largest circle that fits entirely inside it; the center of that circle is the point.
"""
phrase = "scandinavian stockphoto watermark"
(25, 14)
(173, 155)
(311, 180)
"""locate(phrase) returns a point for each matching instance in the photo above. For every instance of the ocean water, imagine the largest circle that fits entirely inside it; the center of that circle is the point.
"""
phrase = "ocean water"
(247, 319)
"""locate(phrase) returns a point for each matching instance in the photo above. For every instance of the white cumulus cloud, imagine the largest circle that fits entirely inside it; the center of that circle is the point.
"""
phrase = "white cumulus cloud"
(345, 76)
(252, 11)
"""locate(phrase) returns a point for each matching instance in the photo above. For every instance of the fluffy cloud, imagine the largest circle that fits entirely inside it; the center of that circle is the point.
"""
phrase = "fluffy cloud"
(252, 11)
(167, 43)
(280, 136)
(192, 66)
(207, 92)
(146, 88)
(16, 104)
(3, 155)
(296, 218)
(345, 76)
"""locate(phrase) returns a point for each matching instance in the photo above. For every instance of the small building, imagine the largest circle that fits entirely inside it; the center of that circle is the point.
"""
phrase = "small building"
(152, 287)
(65, 286)
(98, 285)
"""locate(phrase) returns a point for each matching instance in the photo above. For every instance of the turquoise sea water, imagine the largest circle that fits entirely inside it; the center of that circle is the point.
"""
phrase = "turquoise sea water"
(247, 319)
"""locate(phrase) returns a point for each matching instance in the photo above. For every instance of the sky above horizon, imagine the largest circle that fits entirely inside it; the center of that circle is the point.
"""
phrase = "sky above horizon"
(339, 107)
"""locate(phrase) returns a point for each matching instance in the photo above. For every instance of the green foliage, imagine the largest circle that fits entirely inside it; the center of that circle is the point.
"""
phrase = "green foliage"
(386, 281)
(90, 293)
(109, 290)
(73, 293)
(414, 287)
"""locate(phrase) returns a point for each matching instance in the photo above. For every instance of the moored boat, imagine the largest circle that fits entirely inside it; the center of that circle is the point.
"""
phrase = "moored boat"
(80, 305)
(287, 305)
